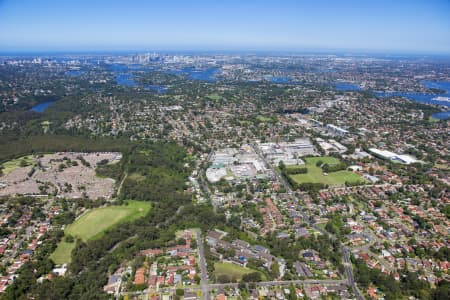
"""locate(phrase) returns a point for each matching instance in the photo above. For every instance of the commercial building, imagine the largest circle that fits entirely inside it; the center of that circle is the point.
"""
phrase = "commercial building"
(288, 152)
(388, 155)
(335, 130)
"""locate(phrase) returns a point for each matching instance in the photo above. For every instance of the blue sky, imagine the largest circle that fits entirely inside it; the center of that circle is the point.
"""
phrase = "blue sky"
(414, 26)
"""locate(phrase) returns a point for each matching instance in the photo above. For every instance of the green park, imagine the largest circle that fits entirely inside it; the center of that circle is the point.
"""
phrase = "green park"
(315, 174)
(232, 271)
(94, 223)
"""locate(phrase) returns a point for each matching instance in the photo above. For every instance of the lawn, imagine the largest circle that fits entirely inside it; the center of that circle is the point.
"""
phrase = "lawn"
(62, 253)
(95, 222)
(324, 159)
(11, 165)
(232, 270)
(315, 173)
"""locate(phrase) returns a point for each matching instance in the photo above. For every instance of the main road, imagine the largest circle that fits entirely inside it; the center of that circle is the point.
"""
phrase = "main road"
(344, 250)
(202, 262)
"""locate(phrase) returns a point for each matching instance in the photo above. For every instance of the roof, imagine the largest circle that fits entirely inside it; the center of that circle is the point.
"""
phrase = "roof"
(114, 279)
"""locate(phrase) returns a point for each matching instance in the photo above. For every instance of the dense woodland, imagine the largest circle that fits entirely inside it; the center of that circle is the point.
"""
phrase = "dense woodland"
(17, 146)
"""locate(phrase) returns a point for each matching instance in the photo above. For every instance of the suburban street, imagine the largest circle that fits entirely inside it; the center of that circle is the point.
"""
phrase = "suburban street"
(344, 250)
(207, 288)
(204, 273)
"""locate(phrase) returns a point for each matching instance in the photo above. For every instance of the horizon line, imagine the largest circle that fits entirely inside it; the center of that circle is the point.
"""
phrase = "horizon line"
(139, 50)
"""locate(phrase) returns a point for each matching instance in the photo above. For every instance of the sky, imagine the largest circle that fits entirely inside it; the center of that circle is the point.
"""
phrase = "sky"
(406, 26)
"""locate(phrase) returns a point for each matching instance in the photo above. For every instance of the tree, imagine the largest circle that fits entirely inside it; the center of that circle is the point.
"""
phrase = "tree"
(23, 163)
(442, 291)
(223, 278)
(275, 270)
(252, 277)
(292, 292)
(69, 239)
(179, 292)
(281, 165)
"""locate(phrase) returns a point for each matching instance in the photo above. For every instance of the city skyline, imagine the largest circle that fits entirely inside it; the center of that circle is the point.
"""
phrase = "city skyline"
(400, 27)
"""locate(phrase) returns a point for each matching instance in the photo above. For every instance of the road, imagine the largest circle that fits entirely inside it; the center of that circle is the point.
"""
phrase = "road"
(207, 288)
(344, 250)
(204, 185)
(366, 248)
(202, 262)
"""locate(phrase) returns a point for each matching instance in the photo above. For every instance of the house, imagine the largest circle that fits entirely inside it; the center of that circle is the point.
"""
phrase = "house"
(282, 235)
(341, 290)
(372, 292)
(267, 258)
(113, 283)
(258, 248)
(61, 271)
(302, 269)
(152, 280)
(301, 231)
(160, 280)
(139, 276)
(241, 244)
(314, 291)
(213, 237)
(151, 252)
(308, 255)
(221, 296)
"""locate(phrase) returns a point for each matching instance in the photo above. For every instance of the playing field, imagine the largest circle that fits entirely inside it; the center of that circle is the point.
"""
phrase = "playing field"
(316, 175)
(232, 270)
(93, 224)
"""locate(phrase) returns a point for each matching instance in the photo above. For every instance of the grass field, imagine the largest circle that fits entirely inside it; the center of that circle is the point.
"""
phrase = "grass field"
(63, 252)
(232, 270)
(93, 224)
(442, 166)
(214, 97)
(11, 165)
(315, 173)
(265, 119)
(433, 120)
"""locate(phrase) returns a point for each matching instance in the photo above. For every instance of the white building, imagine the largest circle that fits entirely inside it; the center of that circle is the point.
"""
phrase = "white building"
(401, 158)
(335, 130)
